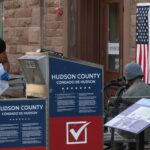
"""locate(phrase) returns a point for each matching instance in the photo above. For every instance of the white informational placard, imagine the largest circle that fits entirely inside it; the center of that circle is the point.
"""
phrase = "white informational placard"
(113, 48)
(134, 119)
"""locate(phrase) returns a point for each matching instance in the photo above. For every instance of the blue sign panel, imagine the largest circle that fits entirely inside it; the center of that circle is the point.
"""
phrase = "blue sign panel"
(22, 124)
(75, 88)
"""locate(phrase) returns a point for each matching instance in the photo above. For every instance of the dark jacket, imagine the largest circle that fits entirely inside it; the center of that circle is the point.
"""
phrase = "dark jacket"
(138, 88)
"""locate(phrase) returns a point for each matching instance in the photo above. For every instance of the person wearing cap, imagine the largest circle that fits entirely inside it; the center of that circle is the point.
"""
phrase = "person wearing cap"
(134, 78)
(4, 60)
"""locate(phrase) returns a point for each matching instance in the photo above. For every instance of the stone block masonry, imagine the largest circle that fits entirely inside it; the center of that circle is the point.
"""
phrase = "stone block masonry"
(30, 24)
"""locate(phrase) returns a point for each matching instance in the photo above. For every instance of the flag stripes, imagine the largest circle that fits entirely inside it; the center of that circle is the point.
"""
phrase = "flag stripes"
(142, 39)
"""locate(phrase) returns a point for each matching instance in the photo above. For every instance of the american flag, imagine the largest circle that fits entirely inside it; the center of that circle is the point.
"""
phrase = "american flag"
(143, 38)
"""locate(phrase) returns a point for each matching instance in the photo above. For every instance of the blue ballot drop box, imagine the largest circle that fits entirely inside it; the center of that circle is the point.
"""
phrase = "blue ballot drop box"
(73, 91)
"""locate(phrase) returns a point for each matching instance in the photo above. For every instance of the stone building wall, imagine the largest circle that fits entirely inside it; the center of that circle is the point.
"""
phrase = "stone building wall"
(23, 30)
(53, 25)
(29, 25)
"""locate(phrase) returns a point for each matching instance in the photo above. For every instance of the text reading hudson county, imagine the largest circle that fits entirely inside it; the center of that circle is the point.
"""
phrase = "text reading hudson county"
(75, 76)
(22, 107)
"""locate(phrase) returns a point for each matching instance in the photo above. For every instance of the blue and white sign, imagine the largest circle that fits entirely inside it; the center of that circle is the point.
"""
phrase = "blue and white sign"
(75, 105)
(75, 88)
(23, 124)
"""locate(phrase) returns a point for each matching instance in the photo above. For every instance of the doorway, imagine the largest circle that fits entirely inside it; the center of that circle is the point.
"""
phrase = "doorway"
(95, 34)
(113, 39)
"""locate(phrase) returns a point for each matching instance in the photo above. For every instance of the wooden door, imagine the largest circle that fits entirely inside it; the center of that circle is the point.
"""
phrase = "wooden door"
(113, 38)
(84, 25)
(95, 33)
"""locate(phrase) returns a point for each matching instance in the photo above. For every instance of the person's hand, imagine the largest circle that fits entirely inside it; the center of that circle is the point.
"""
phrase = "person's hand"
(5, 75)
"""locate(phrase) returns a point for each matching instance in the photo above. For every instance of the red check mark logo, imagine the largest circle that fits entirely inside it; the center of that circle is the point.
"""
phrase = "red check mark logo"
(77, 133)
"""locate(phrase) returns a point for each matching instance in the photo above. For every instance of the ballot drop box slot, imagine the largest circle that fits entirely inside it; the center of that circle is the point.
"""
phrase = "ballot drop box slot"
(35, 70)
(73, 91)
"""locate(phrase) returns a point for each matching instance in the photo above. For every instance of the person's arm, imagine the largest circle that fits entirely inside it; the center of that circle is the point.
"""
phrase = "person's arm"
(4, 61)
(6, 66)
